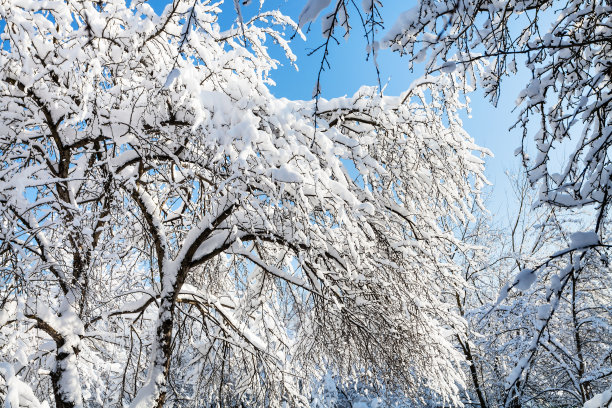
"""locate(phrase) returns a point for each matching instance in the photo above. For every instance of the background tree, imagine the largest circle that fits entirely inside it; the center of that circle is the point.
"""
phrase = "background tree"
(500, 335)
(564, 107)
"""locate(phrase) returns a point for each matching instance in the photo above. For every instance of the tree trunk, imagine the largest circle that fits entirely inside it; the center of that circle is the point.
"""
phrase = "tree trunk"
(153, 393)
(65, 379)
(474, 374)
(584, 387)
(164, 342)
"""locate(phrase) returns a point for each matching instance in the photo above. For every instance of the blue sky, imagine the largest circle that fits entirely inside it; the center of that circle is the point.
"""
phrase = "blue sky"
(488, 125)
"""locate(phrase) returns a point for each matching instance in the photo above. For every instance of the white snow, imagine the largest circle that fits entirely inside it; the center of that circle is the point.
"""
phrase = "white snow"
(448, 67)
(172, 76)
(602, 400)
(583, 239)
(311, 11)
(525, 279)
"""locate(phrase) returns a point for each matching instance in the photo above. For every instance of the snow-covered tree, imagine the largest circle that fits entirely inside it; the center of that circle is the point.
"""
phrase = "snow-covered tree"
(570, 360)
(173, 234)
(564, 108)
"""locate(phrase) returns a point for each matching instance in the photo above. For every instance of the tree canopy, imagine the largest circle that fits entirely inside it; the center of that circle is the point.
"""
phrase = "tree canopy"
(173, 234)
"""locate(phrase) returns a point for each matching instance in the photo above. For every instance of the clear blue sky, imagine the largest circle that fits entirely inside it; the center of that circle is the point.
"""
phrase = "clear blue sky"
(488, 125)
